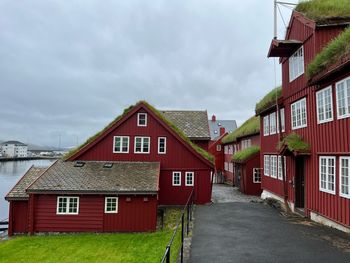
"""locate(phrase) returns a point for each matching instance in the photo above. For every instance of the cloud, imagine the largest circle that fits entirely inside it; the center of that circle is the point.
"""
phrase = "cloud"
(69, 67)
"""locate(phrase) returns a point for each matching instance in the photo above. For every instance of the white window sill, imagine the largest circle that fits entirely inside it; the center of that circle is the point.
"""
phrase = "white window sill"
(327, 191)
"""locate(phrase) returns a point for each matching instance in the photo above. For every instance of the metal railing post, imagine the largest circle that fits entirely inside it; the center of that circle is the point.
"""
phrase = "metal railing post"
(168, 255)
(182, 237)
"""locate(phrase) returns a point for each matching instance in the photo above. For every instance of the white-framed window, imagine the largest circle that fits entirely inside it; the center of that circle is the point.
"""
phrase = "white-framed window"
(218, 147)
(142, 144)
(282, 121)
(226, 166)
(230, 167)
(161, 145)
(272, 123)
(246, 143)
(67, 205)
(257, 175)
(266, 165)
(343, 98)
(273, 166)
(121, 144)
(266, 126)
(111, 205)
(176, 178)
(279, 175)
(344, 169)
(142, 119)
(230, 149)
(226, 149)
(327, 174)
(189, 179)
(324, 105)
(298, 113)
(296, 64)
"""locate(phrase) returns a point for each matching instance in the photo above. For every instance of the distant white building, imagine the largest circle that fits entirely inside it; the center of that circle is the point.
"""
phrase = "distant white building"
(13, 149)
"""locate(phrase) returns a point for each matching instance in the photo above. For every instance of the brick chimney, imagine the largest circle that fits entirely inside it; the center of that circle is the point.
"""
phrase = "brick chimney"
(213, 118)
(222, 130)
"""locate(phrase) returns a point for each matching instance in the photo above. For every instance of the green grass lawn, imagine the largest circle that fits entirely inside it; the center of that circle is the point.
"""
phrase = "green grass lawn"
(119, 247)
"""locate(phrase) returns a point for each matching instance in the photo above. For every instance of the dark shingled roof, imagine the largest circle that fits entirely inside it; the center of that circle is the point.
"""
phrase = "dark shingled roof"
(194, 124)
(93, 177)
(18, 192)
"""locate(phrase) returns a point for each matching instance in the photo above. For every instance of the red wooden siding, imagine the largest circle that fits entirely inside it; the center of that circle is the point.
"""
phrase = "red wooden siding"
(177, 158)
(247, 185)
(18, 219)
(331, 138)
(204, 144)
(133, 216)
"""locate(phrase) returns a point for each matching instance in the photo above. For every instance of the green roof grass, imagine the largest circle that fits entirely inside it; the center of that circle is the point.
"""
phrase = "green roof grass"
(179, 132)
(333, 52)
(323, 10)
(294, 143)
(245, 154)
(249, 127)
(268, 100)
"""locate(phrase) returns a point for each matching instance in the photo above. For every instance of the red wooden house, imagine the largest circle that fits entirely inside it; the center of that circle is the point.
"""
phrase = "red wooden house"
(116, 180)
(244, 162)
(315, 141)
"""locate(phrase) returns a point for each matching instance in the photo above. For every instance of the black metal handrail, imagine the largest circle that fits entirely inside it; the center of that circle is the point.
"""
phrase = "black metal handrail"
(181, 222)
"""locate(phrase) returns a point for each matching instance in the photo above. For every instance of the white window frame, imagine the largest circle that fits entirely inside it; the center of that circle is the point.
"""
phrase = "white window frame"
(346, 83)
(226, 166)
(138, 119)
(267, 165)
(296, 64)
(279, 170)
(122, 138)
(67, 205)
(298, 109)
(327, 181)
(272, 122)
(322, 92)
(266, 124)
(186, 177)
(255, 172)
(165, 142)
(218, 147)
(230, 167)
(142, 144)
(341, 176)
(273, 166)
(226, 149)
(283, 124)
(116, 204)
(173, 178)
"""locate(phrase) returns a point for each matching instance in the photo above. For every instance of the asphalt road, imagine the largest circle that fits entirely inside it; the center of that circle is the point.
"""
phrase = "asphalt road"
(255, 232)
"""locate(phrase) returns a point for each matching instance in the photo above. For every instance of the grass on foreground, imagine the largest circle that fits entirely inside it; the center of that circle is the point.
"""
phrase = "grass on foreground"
(119, 247)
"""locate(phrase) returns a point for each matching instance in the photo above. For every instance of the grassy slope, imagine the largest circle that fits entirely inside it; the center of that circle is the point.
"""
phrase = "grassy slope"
(120, 247)
(322, 10)
(268, 100)
(334, 51)
(249, 127)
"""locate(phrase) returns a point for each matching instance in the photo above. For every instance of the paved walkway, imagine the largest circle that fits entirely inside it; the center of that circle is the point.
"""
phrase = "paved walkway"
(244, 231)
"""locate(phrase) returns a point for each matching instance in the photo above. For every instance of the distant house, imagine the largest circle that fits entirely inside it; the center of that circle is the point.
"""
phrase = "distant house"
(242, 160)
(13, 149)
(314, 101)
(118, 178)
(219, 127)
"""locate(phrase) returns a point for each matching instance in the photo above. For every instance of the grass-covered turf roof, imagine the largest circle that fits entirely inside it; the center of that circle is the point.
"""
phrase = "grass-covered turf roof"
(333, 52)
(245, 154)
(250, 127)
(324, 10)
(179, 132)
(268, 100)
(294, 143)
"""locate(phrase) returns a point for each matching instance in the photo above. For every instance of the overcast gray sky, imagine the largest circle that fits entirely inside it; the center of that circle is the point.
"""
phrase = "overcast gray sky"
(69, 67)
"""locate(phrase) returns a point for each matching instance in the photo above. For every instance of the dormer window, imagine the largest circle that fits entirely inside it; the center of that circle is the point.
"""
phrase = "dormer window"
(296, 64)
(142, 119)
